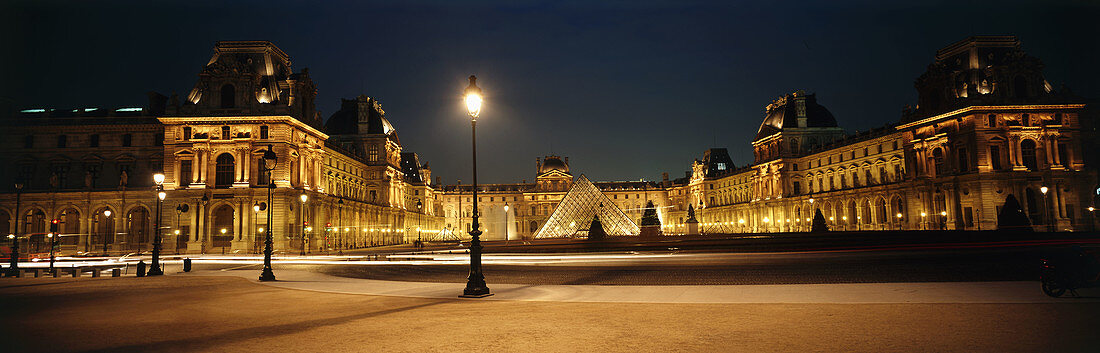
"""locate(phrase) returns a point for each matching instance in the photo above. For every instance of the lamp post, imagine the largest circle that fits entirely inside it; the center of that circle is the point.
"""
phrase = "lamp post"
(1092, 218)
(107, 227)
(900, 223)
(1046, 209)
(301, 215)
(270, 160)
(923, 225)
(419, 207)
(813, 213)
(13, 265)
(255, 224)
(505, 221)
(475, 283)
(154, 268)
(943, 222)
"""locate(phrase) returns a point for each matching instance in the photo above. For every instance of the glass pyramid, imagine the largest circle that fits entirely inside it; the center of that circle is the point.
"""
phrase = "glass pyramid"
(574, 213)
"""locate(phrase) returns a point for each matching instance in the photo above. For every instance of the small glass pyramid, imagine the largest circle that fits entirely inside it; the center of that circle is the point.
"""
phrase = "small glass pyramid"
(574, 214)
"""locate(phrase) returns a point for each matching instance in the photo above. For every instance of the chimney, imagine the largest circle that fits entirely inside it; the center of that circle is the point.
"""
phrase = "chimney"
(438, 180)
(664, 176)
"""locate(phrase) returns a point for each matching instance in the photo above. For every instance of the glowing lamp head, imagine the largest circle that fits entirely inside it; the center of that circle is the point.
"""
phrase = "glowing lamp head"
(922, 214)
(11, 236)
(811, 200)
(161, 195)
(1043, 190)
(473, 98)
(256, 208)
(943, 213)
(176, 232)
(346, 229)
(899, 215)
(107, 213)
(304, 198)
(1092, 208)
(224, 230)
(261, 230)
(158, 178)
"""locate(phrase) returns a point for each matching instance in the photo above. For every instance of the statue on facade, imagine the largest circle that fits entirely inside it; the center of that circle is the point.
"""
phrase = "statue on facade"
(123, 179)
(88, 180)
(54, 180)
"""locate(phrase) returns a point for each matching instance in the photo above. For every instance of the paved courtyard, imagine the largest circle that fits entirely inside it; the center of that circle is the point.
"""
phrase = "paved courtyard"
(228, 313)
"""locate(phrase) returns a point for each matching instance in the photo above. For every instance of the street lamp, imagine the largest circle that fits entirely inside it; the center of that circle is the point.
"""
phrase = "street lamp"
(269, 161)
(301, 215)
(475, 284)
(154, 268)
(922, 215)
(419, 206)
(13, 264)
(107, 225)
(1046, 209)
(943, 224)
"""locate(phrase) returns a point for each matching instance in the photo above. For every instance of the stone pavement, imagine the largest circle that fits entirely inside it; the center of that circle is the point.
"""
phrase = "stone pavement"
(228, 312)
(1021, 292)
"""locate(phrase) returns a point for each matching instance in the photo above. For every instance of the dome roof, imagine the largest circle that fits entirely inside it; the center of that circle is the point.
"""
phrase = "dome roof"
(551, 163)
(783, 112)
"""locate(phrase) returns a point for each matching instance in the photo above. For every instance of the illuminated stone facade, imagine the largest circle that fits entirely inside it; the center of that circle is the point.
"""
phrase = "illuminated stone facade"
(988, 125)
(361, 188)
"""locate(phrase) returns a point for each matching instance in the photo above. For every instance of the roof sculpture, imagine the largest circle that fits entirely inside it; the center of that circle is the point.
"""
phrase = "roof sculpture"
(581, 204)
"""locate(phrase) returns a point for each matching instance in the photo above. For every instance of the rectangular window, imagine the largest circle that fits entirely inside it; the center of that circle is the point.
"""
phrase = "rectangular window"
(1063, 154)
(995, 157)
(185, 172)
(225, 133)
(127, 140)
(28, 142)
(93, 141)
(797, 188)
(62, 140)
(186, 133)
(964, 162)
(264, 132)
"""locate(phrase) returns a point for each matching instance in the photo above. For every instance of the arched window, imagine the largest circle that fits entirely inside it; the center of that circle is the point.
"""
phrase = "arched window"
(937, 159)
(880, 211)
(223, 172)
(229, 96)
(1027, 150)
(137, 223)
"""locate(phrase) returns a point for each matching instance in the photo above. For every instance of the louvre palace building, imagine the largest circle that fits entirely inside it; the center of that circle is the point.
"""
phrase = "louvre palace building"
(987, 125)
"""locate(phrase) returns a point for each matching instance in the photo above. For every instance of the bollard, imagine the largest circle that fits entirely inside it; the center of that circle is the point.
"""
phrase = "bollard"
(95, 272)
(76, 272)
(56, 273)
(141, 268)
(187, 265)
(37, 273)
(116, 272)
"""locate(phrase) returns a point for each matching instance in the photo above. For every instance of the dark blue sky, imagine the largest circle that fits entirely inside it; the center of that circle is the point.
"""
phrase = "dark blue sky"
(626, 89)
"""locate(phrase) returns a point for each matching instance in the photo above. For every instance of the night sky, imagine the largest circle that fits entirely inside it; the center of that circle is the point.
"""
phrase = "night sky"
(626, 89)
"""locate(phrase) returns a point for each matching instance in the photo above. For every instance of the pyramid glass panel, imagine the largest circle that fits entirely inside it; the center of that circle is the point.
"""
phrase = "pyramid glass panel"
(574, 213)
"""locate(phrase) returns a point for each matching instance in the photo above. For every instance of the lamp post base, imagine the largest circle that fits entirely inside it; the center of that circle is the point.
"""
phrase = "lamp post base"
(476, 288)
(267, 275)
(155, 271)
